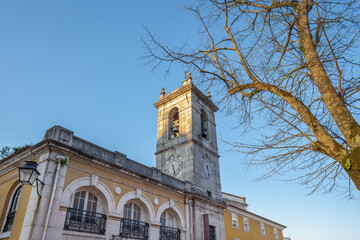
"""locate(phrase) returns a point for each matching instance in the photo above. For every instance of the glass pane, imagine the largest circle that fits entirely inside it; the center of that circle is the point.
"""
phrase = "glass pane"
(212, 232)
(15, 200)
(94, 207)
(169, 220)
(91, 203)
(79, 200)
(136, 213)
(127, 210)
(25, 175)
(163, 219)
(76, 200)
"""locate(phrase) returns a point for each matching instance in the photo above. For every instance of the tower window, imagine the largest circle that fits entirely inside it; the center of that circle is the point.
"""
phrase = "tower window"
(174, 123)
(204, 124)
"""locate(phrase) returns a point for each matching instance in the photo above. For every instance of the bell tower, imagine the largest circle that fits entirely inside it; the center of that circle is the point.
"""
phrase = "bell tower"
(186, 136)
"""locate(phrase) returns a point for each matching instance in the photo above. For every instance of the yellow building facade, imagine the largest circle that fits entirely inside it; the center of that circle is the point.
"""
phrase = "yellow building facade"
(89, 192)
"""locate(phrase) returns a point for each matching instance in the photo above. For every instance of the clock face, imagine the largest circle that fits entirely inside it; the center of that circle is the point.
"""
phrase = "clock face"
(208, 167)
(208, 170)
(173, 165)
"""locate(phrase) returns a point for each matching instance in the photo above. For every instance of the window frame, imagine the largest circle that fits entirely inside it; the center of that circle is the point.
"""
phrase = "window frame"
(204, 125)
(246, 223)
(99, 204)
(169, 215)
(18, 188)
(132, 211)
(262, 227)
(173, 115)
(234, 221)
(212, 237)
(276, 234)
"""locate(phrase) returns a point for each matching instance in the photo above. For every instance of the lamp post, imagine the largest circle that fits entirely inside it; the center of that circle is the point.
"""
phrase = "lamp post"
(28, 174)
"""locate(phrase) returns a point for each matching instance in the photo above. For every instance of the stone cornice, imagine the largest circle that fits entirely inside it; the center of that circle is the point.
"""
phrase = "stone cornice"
(182, 90)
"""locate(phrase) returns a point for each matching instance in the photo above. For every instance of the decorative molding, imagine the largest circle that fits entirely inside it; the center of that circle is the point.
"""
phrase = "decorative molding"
(94, 179)
(138, 193)
(176, 209)
(171, 203)
(117, 190)
(86, 182)
(133, 196)
(182, 90)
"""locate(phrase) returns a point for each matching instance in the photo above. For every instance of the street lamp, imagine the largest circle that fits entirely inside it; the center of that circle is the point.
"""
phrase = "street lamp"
(28, 174)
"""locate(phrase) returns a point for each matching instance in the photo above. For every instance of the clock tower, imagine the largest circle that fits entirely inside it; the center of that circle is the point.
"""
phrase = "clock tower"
(186, 137)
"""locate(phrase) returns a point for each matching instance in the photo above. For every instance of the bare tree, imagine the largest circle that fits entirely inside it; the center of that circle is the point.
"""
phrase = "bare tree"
(294, 61)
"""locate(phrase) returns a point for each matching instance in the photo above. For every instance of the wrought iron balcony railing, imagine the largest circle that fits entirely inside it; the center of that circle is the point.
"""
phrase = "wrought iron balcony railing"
(133, 229)
(169, 233)
(85, 221)
(9, 221)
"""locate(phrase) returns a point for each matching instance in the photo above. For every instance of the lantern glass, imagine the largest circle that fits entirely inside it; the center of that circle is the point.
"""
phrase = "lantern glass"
(28, 174)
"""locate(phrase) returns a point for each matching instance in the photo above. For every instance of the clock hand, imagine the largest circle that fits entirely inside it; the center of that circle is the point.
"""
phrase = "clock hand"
(173, 167)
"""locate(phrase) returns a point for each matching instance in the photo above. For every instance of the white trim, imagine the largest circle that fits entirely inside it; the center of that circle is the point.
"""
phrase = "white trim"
(276, 234)
(176, 209)
(86, 182)
(262, 227)
(134, 196)
(237, 220)
(247, 222)
(5, 235)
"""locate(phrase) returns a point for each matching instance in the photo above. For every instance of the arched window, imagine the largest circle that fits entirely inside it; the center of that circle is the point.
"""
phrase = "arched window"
(168, 228)
(168, 220)
(130, 226)
(85, 215)
(204, 124)
(132, 211)
(85, 200)
(174, 123)
(12, 210)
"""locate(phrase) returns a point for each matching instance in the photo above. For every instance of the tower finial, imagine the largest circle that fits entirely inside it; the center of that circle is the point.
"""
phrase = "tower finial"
(208, 94)
(188, 79)
(162, 93)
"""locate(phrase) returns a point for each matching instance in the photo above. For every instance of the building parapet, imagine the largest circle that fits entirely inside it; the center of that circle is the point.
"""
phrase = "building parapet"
(235, 200)
(66, 136)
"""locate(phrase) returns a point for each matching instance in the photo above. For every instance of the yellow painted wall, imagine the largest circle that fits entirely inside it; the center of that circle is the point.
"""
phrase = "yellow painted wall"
(255, 230)
(8, 184)
(78, 168)
(20, 213)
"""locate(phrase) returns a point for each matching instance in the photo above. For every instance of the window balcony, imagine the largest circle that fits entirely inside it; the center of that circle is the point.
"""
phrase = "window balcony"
(9, 221)
(85, 221)
(168, 233)
(133, 229)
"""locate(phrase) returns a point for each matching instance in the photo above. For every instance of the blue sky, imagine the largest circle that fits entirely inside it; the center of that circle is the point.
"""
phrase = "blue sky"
(77, 64)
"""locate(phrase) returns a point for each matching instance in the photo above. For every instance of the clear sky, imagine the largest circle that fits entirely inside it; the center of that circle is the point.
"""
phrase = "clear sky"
(76, 64)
